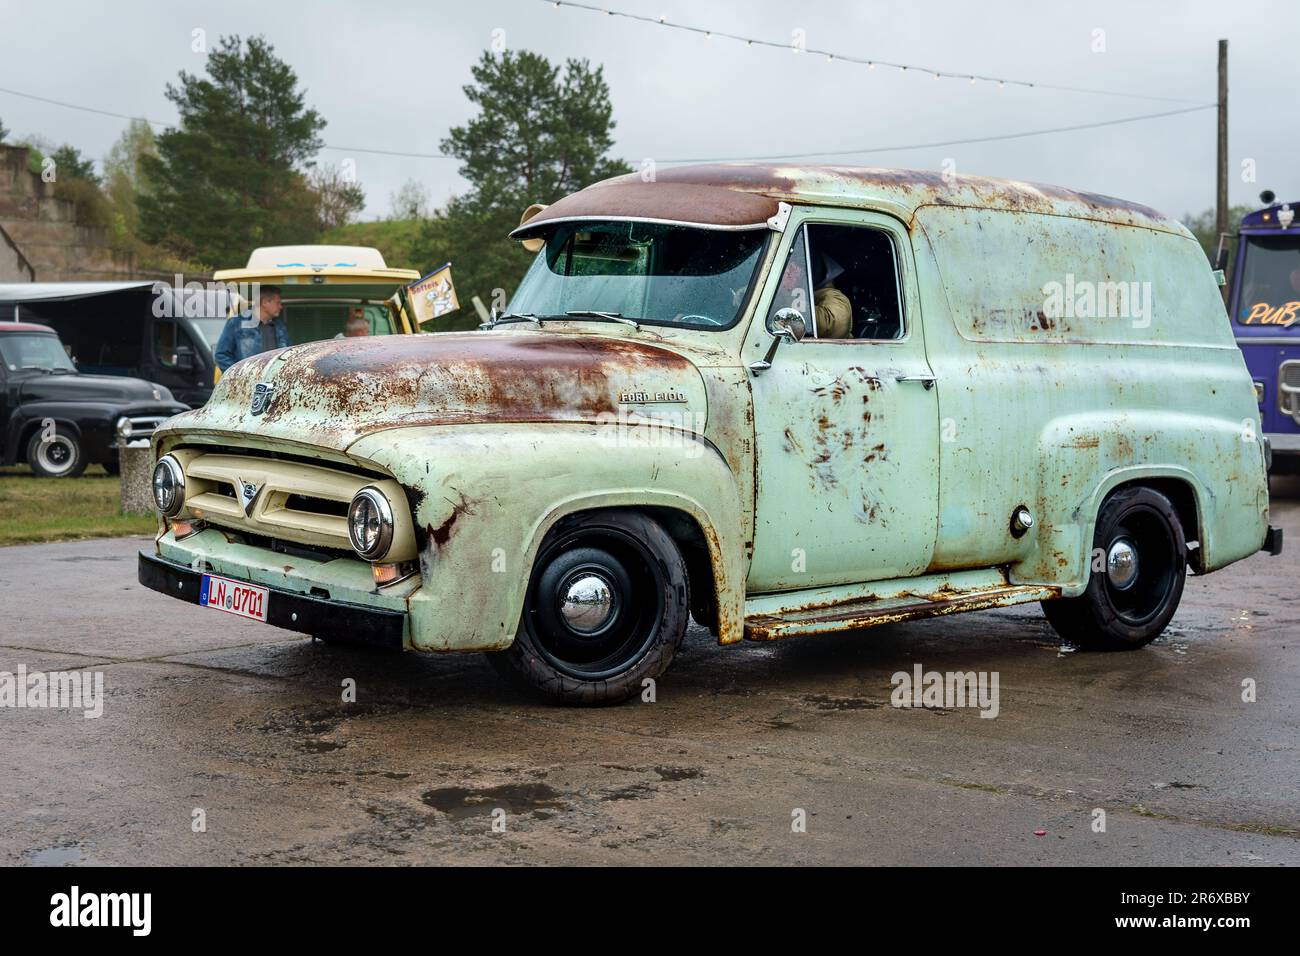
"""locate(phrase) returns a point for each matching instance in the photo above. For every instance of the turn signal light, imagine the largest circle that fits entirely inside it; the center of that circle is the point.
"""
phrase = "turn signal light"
(183, 529)
(386, 574)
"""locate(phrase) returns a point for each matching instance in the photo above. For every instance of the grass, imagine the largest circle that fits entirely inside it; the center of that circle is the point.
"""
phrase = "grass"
(59, 509)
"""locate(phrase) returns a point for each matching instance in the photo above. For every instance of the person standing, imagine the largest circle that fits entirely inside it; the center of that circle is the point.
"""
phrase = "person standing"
(259, 328)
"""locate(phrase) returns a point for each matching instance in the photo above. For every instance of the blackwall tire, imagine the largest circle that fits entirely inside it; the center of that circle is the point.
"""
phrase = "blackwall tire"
(1141, 552)
(606, 609)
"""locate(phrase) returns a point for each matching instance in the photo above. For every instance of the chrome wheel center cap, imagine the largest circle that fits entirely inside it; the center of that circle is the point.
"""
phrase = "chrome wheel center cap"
(587, 602)
(1122, 564)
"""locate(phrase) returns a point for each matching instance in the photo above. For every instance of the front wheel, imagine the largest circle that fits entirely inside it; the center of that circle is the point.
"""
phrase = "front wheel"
(57, 455)
(607, 607)
(1139, 566)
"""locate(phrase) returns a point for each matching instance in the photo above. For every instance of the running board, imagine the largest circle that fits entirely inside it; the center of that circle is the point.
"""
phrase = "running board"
(870, 612)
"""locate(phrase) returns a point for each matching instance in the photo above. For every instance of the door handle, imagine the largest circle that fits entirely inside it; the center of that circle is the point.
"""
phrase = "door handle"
(926, 380)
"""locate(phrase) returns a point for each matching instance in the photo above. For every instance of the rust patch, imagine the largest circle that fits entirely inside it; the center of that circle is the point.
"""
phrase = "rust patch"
(699, 194)
(339, 391)
(442, 534)
(679, 201)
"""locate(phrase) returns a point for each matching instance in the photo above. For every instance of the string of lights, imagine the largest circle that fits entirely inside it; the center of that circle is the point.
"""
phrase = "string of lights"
(870, 64)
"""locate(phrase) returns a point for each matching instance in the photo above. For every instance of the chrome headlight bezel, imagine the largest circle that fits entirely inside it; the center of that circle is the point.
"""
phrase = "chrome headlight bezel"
(379, 510)
(168, 469)
(122, 427)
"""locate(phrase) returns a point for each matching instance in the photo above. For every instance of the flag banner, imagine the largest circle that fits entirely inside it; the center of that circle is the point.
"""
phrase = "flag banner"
(434, 295)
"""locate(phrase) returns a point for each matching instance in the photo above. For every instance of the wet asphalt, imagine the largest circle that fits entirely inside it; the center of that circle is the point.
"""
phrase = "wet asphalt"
(241, 728)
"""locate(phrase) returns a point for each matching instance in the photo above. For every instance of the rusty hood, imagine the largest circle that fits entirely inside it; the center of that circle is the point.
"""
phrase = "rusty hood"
(332, 393)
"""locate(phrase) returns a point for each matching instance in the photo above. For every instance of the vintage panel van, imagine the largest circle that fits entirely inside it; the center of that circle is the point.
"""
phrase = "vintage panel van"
(782, 400)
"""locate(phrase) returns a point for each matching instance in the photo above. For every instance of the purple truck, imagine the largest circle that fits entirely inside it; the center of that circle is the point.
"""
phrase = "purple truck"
(1264, 303)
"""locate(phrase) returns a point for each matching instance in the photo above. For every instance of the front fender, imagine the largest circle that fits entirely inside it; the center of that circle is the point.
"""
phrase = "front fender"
(485, 496)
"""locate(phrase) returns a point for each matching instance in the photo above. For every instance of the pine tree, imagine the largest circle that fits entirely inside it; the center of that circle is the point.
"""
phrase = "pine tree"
(231, 176)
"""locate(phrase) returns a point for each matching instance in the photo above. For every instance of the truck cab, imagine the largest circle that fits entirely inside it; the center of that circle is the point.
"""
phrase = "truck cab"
(1264, 305)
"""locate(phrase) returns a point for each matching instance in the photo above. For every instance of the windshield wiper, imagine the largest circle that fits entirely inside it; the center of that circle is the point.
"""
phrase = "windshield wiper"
(510, 317)
(604, 316)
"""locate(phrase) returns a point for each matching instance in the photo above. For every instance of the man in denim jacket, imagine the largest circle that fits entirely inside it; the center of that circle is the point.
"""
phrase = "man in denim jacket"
(255, 330)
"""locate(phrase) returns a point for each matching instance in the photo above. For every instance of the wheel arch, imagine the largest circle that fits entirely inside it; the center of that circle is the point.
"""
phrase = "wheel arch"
(30, 426)
(716, 587)
(1180, 485)
(485, 497)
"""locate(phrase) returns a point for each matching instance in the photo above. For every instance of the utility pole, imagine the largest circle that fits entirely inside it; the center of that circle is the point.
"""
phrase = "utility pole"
(1221, 202)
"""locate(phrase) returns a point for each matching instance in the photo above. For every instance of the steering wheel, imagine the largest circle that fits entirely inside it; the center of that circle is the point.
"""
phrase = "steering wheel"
(699, 319)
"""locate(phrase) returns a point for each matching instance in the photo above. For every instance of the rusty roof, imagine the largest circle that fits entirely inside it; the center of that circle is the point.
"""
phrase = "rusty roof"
(734, 195)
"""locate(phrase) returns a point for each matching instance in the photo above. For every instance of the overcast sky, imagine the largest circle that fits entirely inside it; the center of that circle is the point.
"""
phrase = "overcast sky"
(388, 75)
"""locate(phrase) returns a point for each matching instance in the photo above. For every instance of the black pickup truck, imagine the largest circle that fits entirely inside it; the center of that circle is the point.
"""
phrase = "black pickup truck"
(59, 420)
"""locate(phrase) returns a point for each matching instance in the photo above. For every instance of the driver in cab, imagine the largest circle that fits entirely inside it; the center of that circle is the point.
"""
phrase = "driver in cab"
(834, 311)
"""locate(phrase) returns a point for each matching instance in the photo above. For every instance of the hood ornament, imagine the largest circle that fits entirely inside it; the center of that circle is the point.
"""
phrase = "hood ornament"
(262, 394)
(247, 494)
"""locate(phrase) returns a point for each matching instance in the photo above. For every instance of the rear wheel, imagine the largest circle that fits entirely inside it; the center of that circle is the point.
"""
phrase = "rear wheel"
(606, 608)
(56, 455)
(1140, 565)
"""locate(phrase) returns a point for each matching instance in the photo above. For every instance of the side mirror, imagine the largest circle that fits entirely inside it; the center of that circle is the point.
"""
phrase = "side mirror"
(535, 244)
(788, 323)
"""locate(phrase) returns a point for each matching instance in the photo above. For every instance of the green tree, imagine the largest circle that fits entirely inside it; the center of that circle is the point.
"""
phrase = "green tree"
(1202, 227)
(339, 197)
(70, 164)
(230, 176)
(124, 177)
(541, 132)
(3, 132)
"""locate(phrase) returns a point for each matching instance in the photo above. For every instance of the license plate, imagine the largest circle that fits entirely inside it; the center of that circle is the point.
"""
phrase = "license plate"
(234, 597)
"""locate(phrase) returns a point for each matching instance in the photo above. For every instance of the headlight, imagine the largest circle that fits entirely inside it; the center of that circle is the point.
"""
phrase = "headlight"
(370, 523)
(123, 428)
(1259, 393)
(168, 486)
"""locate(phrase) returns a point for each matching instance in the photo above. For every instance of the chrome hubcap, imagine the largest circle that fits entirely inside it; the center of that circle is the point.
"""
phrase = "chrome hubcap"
(56, 454)
(1122, 564)
(587, 602)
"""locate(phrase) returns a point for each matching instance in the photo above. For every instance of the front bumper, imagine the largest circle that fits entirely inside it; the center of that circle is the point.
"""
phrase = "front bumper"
(336, 620)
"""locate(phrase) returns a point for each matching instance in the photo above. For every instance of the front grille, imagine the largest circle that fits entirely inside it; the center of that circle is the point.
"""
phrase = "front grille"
(1288, 374)
(278, 499)
(1288, 388)
(143, 426)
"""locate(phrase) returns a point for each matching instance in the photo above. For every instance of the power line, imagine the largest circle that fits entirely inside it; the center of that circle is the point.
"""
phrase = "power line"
(951, 142)
(870, 64)
(827, 152)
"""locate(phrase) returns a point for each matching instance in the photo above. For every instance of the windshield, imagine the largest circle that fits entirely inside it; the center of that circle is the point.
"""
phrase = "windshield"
(37, 350)
(210, 329)
(1270, 281)
(653, 273)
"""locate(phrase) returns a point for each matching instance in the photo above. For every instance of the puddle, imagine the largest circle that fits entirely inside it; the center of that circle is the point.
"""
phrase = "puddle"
(60, 856)
(321, 746)
(679, 773)
(637, 791)
(825, 702)
(460, 802)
